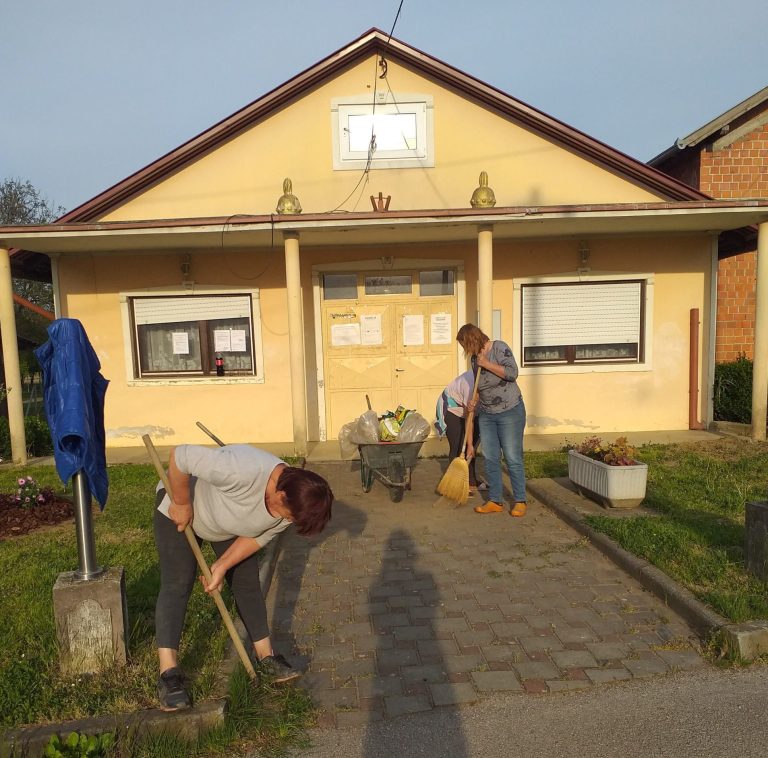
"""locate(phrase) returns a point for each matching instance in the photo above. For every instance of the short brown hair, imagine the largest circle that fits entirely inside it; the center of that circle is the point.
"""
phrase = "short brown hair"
(308, 497)
(471, 338)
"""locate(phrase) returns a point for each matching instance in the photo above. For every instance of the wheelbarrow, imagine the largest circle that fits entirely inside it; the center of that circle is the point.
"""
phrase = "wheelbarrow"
(391, 463)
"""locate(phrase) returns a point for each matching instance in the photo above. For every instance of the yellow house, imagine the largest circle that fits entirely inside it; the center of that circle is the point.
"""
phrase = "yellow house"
(326, 242)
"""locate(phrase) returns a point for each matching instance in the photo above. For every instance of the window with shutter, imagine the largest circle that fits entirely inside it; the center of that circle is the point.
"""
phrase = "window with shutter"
(193, 335)
(582, 322)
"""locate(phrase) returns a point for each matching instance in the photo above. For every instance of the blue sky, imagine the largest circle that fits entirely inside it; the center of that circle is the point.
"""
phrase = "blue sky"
(92, 91)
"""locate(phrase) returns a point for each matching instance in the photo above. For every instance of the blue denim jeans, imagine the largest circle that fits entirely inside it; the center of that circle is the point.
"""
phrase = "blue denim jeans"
(503, 432)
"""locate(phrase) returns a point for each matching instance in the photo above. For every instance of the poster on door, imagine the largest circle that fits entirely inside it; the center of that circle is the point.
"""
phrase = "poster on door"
(370, 329)
(413, 330)
(440, 332)
(345, 334)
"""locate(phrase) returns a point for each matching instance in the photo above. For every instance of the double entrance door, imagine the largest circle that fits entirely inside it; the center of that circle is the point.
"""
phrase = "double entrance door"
(394, 341)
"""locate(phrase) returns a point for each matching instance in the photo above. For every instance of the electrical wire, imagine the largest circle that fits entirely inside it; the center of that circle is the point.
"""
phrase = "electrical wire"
(372, 144)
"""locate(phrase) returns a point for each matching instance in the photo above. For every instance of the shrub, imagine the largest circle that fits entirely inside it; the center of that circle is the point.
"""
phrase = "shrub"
(79, 746)
(616, 453)
(37, 433)
(733, 391)
(38, 436)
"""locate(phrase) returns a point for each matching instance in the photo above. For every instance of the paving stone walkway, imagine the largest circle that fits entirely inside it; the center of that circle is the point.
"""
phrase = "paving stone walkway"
(403, 607)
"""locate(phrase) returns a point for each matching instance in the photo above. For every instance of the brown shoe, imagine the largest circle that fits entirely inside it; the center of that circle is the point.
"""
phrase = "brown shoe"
(519, 510)
(489, 507)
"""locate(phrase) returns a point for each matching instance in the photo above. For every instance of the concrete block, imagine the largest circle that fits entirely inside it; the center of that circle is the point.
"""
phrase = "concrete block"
(91, 621)
(756, 539)
(747, 640)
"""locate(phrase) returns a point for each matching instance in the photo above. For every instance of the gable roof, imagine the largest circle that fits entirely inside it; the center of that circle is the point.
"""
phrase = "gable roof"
(713, 127)
(376, 41)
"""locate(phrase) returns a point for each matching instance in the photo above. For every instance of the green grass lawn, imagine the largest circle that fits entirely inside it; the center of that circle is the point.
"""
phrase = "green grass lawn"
(699, 492)
(31, 689)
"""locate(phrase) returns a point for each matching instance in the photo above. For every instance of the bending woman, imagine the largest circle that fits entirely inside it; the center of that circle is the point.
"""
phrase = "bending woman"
(237, 498)
(451, 421)
(501, 417)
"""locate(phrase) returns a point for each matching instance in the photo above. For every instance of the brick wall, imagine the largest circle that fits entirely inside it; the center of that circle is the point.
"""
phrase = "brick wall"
(736, 172)
(736, 307)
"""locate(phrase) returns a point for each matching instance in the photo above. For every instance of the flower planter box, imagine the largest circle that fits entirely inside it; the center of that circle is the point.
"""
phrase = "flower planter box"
(610, 486)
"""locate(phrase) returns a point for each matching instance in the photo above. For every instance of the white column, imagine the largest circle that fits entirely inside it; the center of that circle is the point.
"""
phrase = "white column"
(11, 361)
(485, 278)
(760, 364)
(296, 342)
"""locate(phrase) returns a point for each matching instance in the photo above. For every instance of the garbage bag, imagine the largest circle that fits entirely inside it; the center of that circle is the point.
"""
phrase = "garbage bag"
(348, 448)
(415, 428)
(366, 430)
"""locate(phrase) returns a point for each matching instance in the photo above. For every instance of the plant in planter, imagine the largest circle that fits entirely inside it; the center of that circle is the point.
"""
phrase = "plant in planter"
(607, 472)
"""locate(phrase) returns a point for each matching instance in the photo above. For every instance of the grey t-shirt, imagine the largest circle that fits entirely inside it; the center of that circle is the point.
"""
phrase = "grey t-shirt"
(227, 491)
(497, 395)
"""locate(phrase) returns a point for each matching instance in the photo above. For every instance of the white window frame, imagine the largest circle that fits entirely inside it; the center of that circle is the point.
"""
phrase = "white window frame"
(598, 366)
(421, 156)
(129, 337)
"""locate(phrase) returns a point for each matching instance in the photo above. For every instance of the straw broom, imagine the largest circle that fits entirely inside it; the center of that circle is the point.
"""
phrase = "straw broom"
(455, 482)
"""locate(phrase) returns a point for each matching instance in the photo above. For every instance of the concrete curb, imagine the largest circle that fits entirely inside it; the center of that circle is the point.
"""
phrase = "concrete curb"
(31, 741)
(746, 641)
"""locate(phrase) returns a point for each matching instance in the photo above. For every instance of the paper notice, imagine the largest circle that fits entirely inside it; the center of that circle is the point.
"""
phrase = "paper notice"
(370, 326)
(238, 342)
(413, 330)
(180, 343)
(345, 334)
(222, 342)
(440, 329)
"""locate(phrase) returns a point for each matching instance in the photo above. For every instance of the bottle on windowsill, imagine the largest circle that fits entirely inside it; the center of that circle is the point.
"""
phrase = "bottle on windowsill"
(219, 366)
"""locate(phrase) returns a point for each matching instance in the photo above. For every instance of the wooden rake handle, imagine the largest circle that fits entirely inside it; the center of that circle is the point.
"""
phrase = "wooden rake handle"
(470, 415)
(191, 539)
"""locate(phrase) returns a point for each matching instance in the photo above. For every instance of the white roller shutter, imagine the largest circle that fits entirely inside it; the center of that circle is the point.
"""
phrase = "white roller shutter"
(168, 310)
(581, 314)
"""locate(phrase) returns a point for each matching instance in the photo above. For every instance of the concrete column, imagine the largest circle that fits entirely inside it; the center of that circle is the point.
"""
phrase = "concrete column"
(11, 361)
(485, 278)
(760, 364)
(296, 342)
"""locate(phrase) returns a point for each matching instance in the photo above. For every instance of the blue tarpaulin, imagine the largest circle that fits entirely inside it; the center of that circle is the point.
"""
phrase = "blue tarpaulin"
(74, 393)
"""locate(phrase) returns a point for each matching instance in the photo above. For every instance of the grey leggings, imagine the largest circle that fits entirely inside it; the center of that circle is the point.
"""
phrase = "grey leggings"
(178, 571)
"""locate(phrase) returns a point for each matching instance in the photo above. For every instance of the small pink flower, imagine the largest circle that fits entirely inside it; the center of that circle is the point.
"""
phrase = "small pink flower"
(22, 482)
(26, 499)
(30, 479)
(40, 499)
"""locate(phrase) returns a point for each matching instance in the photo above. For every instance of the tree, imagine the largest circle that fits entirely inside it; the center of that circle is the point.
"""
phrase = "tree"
(21, 203)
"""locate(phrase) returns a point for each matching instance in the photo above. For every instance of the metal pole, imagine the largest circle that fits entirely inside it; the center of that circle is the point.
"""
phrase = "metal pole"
(86, 548)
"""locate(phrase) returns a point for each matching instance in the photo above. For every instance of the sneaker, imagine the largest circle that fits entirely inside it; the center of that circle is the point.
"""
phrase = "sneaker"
(489, 507)
(171, 692)
(278, 669)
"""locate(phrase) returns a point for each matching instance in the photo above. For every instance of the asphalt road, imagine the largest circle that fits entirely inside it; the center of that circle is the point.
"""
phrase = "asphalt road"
(711, 713)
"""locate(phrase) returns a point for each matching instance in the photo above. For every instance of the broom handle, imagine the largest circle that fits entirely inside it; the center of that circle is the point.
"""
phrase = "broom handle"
(210, 433)
(190, 535)
(471, 415)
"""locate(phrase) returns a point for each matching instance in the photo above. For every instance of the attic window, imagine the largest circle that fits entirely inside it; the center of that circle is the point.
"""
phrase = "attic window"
(401, 129)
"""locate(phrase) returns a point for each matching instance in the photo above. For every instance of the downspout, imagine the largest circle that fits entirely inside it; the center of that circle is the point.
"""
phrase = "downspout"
(693, 373)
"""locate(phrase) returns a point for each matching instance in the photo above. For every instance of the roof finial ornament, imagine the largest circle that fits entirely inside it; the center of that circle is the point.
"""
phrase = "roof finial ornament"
(288, 203)
(483, 196)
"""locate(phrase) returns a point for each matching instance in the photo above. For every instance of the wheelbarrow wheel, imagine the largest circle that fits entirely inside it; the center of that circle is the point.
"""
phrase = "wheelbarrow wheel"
(397, 476)
(366, 476)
